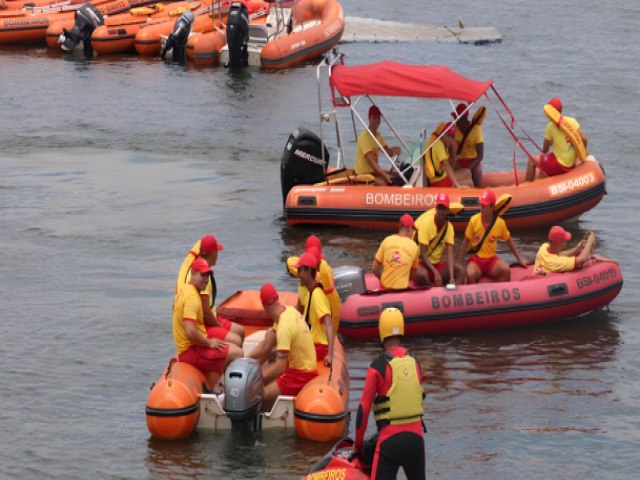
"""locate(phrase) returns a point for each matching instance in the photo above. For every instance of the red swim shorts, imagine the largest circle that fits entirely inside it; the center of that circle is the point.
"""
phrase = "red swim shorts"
(549, 164)
(464, 162)
(440, 267)
(205, 359)
(321, 351)
(484, 264)
(445, 182)
(219, 332)
(292, 380)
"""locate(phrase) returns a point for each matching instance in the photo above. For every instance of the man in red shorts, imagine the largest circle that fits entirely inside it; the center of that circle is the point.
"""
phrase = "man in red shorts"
(208, 248)
(295, 362)
(210, 355)
(562, 157)
(482, 233)
(435, 237)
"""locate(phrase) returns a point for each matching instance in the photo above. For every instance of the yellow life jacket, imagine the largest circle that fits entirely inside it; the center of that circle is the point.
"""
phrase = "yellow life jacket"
(431, 171)
(403, 402)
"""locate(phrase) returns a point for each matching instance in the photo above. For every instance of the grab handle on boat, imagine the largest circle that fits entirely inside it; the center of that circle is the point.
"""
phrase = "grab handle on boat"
(557, 289)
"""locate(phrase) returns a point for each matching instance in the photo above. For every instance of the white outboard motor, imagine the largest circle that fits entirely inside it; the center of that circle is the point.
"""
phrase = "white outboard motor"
(238, 35)
(88, 18)
(177, 40)
(243, 394)
(301, 161)
(349, 281)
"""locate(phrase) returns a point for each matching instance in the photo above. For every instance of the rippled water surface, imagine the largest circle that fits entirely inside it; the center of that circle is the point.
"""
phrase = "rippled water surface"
(112, 168)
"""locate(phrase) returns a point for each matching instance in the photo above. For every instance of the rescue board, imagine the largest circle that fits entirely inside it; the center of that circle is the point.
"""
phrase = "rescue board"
(573, 135)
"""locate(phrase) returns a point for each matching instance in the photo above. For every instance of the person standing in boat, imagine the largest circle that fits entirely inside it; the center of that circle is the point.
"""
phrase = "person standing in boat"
(552, 256)
(295, 363)
(562, 157)
(469, 142)
(393, 388)
(207, 248)
(435, 237)
(210, 355)
(482, 234)
(440, 160)
(367, 149)
(397, 258)
(314, 305)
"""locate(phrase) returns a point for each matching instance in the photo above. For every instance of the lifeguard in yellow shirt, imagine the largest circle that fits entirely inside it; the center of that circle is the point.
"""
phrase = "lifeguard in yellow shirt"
(552, 256)
(367, 150)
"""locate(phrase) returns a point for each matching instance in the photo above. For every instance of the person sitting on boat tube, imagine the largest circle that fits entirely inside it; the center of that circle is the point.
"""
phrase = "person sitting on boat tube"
(435, 236)
(469, 141)
(552, 256)
(208, 247)
(210, 355)
(397, 258)
(393, 388)
(482, 234)
(367, 150)
(439, 160)
(314, 305)
(295, 362)
(562, 157)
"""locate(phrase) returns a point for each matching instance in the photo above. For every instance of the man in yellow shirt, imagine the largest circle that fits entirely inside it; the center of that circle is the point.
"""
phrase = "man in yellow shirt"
(208, 247)
(470, 143)
(397, 258)
(440, 160)
(552, 256)
(562, 157)
(295, 362)
(436, 236)
(367, 150)
(315, 306)
(209, 355)
(482, 233)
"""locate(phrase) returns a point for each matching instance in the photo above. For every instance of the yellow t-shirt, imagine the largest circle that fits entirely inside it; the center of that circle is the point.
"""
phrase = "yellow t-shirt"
(186, 305)
(475, 231)
(474, 138)
(547, 261)
(562, 148)
(320, 308)
(428, 235)
(433, 162)
(366, 144)
(293, 336)
(184, 275)
(398, 256)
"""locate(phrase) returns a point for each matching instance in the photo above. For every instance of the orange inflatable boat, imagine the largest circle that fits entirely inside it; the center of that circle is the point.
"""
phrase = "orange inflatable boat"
(319, 412)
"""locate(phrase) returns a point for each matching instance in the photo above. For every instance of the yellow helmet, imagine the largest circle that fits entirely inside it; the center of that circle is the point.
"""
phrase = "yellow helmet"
(391, 323)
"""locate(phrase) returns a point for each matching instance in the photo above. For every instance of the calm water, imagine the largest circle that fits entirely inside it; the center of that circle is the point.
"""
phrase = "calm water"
(112, 168)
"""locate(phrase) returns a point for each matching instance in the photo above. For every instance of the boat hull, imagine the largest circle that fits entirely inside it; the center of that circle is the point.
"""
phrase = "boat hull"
(541, 203)
(526, 300)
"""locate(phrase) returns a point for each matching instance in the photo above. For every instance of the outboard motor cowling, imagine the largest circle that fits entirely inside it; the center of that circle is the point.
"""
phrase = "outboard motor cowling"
(243, 393)
(238, 35)
(177, 40)
(349, 281)
(302, 161)
(88, 18)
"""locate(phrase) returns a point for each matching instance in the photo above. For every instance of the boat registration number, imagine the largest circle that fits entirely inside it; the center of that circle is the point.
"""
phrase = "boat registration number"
(569, 185)
(596, 278)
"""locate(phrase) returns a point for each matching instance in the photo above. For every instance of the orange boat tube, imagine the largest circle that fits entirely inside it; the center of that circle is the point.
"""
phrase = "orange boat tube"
(306, 42)
(173, 406)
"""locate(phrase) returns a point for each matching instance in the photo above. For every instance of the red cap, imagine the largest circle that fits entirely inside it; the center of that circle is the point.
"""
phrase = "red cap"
(450, 128)
(307, 260)
(460, 111)
(316, 254)
(406, 220)
(200, 265)
(442, 199)
(556, 103)
(209, 243)
(314, 241)
(268, 294)
(488, 197)
(374, 110)
(559, 234)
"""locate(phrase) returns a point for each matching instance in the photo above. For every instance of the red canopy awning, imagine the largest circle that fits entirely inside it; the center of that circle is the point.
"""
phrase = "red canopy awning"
(399, 80)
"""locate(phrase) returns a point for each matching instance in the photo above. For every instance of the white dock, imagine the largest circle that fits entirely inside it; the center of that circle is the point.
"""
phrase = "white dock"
(372, 30)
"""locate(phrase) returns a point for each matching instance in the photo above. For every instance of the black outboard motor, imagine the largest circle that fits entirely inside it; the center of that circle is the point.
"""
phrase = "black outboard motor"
(88, 18)
(349, 281)
(243, 394)
(177, 40)
(301, 161)
(238, 35)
